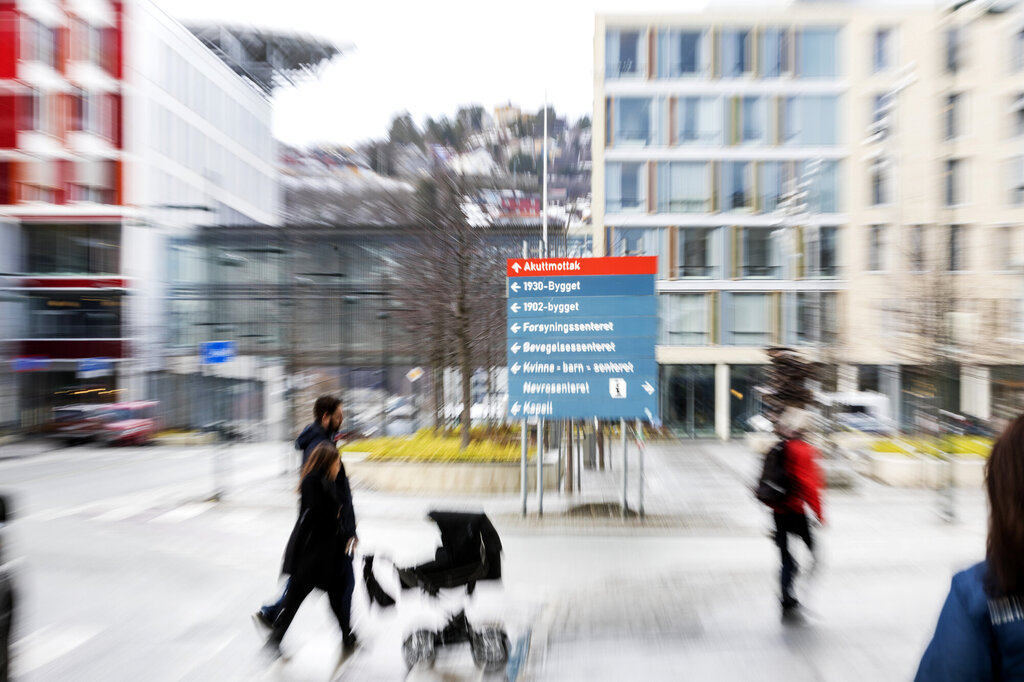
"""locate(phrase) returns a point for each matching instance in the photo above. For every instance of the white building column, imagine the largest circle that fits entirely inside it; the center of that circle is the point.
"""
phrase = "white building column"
(722, 416)
(846, 378)
(975, 391)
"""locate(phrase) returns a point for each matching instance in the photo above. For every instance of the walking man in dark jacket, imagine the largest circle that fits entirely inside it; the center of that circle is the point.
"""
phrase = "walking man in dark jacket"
(327, 418)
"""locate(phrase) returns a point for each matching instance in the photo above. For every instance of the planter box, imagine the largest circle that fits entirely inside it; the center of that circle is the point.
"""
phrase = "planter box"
(926, 472)
(448, 478)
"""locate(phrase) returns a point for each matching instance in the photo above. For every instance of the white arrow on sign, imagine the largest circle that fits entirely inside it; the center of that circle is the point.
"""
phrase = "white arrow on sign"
(516, 267)
(515, 347)
(515, 286)
(515, 409)
(650, 417)
(515, 368)
(514, 307)
(647, 387)
(515, 328)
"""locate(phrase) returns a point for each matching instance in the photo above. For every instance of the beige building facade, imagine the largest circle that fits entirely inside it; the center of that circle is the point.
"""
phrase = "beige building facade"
(843, 177)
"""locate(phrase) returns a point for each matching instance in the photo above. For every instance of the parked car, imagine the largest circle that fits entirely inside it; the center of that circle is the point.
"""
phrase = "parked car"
(131, 423)
(7, 601)
(75, 424)
(865, 423)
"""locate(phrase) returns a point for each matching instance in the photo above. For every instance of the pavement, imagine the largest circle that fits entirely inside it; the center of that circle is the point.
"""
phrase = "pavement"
(688, 590)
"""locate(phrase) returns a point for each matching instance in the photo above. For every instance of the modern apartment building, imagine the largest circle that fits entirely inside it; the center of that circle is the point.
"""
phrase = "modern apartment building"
(118, 130)
(843, 177)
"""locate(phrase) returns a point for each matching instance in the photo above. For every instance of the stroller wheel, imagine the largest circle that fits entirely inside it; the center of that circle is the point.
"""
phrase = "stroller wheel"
(419, 646)
(490, 647)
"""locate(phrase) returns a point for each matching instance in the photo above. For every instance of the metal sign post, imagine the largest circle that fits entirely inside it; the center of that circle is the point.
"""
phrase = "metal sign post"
(641, 446)
(522, 478)
(625, 471)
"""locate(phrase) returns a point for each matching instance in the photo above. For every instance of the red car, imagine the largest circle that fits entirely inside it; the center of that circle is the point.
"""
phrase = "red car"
(131, 423)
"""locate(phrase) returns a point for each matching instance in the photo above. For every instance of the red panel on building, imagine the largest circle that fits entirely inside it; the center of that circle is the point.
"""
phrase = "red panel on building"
(8, 121)
(9, 40)
(73, 283)
(117, 45)
(59, 349)
(116, 123)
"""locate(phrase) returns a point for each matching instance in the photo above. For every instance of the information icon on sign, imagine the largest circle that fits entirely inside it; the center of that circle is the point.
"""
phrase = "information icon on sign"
(617, 388)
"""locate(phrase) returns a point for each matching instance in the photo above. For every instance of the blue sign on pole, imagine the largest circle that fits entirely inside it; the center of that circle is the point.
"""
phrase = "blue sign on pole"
(216, 352)
(581, 335)
(30, 364)
(89, 368)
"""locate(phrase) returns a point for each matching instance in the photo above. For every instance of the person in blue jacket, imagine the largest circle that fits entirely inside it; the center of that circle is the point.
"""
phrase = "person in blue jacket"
(980, 633)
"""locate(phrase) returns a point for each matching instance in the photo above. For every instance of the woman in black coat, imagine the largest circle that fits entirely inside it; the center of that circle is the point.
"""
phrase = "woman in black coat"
(319, 551)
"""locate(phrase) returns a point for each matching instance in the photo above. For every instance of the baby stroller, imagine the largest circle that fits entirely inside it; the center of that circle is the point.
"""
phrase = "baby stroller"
(470, 552)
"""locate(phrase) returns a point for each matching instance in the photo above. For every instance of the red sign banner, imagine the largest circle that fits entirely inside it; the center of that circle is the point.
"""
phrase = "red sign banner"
(566, 267)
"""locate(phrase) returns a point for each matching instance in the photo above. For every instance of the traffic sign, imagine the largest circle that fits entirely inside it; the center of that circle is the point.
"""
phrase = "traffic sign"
(581, 334)
(613, 306)
(89, 368)
(594, 285)
(216, 352)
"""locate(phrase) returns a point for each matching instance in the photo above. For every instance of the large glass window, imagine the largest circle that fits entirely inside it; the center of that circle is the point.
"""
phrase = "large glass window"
(879, 182)
(957, 260)
(876, 248)
(771, 183)
(634, 121)
(1017, 180)
(699, 120)
(698, 252)
(681, 53)
(73, 249)
(750, 319)
(1017, 52)
(816, 319)
(737, 185)
(817, 53)
(74, 316)
(1017, 113)
(811, 120)
(820, 247)
(639, 241)
(775, 53)
(759, 253)
(625, 189)
(822, 178)
(916, 248)
(953, 57)
(754, 119)
(684, 319)
(684, 187)
(625, 52)
(882, 53)
(952, 116)
(736, 52)
(952, 182)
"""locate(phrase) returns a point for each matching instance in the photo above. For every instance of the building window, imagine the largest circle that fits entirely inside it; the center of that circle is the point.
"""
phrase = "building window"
(1003, 251)
(699, 120)
(750, 319)
(633, 121)
(626, 54)
(821, 253)
(697, 252)
(882, 55)
(816, 319)
(639, 241)
(625, 187)
(1017, 181)
(876, 248)
(737, 185)
(759, 259)
(951, 116)
(775, 58)
(957, 261)
(952, 193)
(953, 56)
(736, 51)
(1017, 111)
(684, 319)
(753, 119)
(916, 248)
(879, 183)
(684, 187)
(811, 121)
(681, 54)
(817, 53)
(1017, 52)
(822, 184)
(771, 184)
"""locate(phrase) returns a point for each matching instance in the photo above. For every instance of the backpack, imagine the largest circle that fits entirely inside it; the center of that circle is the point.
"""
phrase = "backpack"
(774, 485)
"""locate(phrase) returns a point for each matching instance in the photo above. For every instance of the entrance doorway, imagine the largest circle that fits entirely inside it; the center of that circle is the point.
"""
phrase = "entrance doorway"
(689, 399)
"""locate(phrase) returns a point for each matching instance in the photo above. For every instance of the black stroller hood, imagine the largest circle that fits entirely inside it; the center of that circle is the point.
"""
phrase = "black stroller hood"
(470, 552)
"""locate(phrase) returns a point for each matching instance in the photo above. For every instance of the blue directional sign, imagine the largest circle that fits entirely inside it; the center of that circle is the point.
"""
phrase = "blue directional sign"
(612, 306)
(89, 368)
(594, 285)
(30, 364)
(216, 352)
(547, 328)
(581, 335)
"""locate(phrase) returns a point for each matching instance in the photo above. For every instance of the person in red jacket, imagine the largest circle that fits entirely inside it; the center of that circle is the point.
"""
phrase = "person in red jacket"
(804, 491)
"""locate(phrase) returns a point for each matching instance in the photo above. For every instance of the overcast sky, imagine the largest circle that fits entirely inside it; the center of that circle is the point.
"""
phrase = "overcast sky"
(428, 57)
